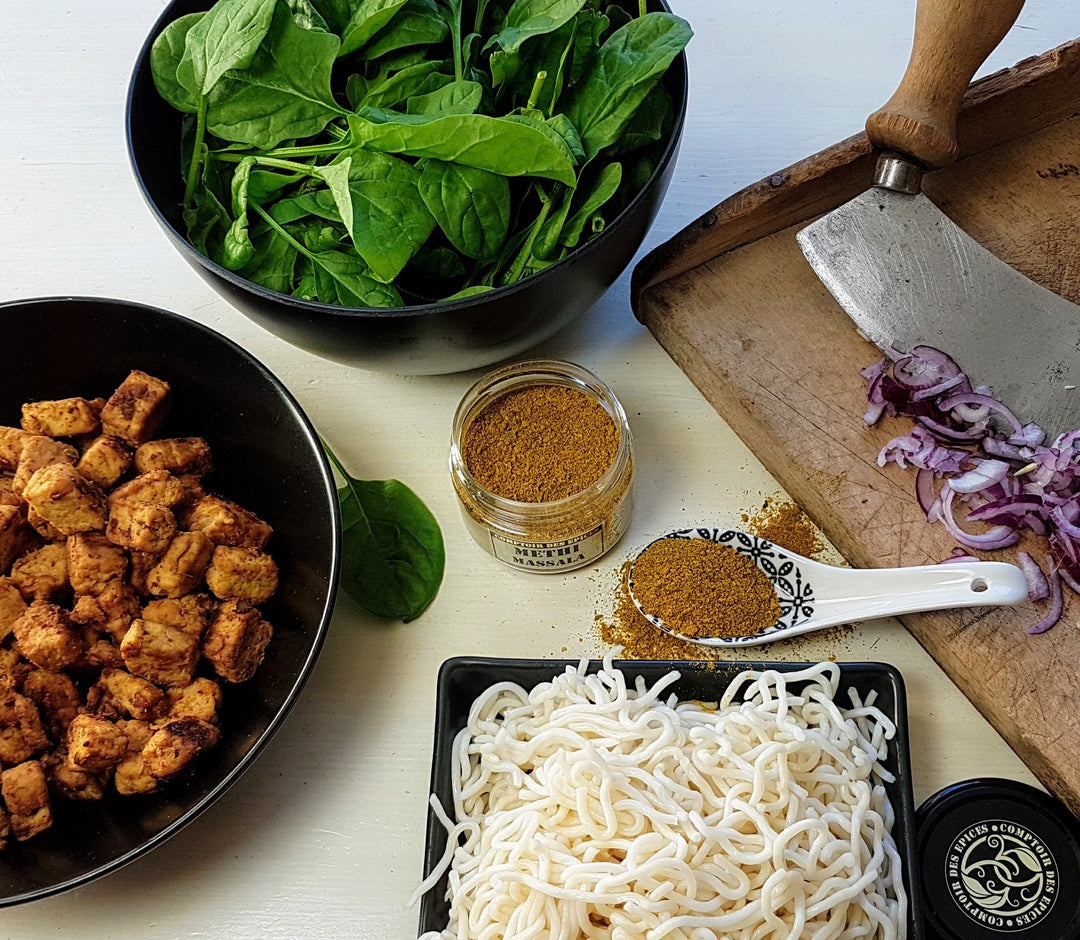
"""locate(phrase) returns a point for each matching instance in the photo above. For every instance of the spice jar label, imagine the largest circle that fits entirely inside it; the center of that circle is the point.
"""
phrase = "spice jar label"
(566, 553)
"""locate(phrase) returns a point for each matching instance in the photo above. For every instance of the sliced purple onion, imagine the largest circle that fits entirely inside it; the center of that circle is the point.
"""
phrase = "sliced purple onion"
(1038, 586)
(1057, 603)
(984, 474)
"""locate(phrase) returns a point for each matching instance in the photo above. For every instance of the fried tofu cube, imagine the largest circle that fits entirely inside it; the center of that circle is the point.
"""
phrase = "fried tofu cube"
(74, 784)
(175, 745)
(42, 573)
(131, 775)
(64, 417)
(22, 732)
(191, 613)
(102, 653)
(26, 795)
(105, 460)
(11, 445)
(37, 452)
(43, 527)
(16, 535)
(109, 612)
(155, 486)
(46, 636)
(119, 692)
(200, 699)
(63, 497)
(159, 653)
(139, 568)
(178, 455)
(94, 562)
(236, 641)
(182, 567)
(12, 605)
(12, 668)
(137, 409)
(8, 496)
(193, 492)
(227, 523)
(140, 526)
(57, 699)
(94, 744)
(242, 574)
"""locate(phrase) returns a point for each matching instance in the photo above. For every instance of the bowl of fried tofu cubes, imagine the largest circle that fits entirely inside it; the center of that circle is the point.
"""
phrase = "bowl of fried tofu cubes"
(169, 557)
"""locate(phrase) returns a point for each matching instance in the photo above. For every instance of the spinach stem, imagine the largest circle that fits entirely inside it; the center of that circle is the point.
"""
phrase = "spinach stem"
(642, 4)
(276, 226)
(538, 85)
(516, 269)
(196, 153)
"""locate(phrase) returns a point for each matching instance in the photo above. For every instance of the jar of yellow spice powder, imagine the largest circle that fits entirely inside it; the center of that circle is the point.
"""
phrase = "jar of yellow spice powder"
(541, 459)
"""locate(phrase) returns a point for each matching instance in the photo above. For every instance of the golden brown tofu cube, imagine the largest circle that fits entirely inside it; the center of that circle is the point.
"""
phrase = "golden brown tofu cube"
(193, 492)
(63, 497)
(17, 536)
(11, 445)
(105, 460)
(42, 573)
(155, 486)
(191, 613)
(136, 410)
(26, 795)
(64, 417)
(201, 699)
(159, 653)
(182, 567)
(57, 699)
(140, 526)
(178, 455)
(12, 605)
(236, 641)
(228, 523)
(82, 785)
(46, 636)
(102, 653)
(43, 527)
(37, 452)
(8, 496)
(22, 733)
(242, 574)
(131, 775)
(94, 744)
(94, 562)
(109, 612)
(120, 693)
(175, 745)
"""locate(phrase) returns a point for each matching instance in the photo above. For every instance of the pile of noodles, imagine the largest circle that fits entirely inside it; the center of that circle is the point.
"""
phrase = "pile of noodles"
(587, 809)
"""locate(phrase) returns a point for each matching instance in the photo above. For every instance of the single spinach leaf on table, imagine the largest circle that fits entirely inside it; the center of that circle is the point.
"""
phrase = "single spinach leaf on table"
(393, 554)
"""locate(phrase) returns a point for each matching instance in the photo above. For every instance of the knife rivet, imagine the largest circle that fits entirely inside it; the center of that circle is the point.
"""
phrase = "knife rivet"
(709, 219)
(777, 180)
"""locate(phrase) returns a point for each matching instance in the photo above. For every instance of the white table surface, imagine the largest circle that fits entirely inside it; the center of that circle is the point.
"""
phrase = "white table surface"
(323, 837)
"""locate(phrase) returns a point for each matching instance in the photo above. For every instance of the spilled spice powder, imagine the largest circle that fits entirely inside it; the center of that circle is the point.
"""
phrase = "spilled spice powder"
(540, 444)
(786, 525)
(700, 588)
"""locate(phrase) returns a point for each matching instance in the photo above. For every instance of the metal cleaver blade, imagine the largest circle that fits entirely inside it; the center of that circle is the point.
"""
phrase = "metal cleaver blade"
(908, 275)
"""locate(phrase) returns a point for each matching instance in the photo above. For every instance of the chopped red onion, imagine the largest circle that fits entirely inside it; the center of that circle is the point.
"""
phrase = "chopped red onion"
(967, 443)
(1038, 586)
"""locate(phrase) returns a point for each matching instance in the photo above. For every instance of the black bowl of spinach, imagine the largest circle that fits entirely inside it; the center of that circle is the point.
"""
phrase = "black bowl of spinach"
(415, 186)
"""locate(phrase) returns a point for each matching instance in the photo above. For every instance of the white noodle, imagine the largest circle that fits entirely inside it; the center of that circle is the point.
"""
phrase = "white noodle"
(585, 809)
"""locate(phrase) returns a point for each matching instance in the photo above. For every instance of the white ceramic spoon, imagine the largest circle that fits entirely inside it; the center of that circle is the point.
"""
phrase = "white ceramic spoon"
(814, 596)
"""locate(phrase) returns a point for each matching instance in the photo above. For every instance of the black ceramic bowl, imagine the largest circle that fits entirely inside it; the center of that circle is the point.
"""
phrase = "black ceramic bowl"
(267, 457)
(424, 338)
(463, 679)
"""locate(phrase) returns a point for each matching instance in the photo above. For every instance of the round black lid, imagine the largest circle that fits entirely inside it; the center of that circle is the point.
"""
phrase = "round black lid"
(998, 860)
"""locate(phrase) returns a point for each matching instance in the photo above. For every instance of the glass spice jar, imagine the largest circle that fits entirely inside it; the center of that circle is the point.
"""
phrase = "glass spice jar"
(552, 535)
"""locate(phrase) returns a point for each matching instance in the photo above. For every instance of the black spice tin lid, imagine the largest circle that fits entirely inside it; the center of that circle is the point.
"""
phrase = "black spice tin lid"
(998, 860)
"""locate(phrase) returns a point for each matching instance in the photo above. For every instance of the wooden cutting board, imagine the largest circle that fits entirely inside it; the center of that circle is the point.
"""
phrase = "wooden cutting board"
(736, 305)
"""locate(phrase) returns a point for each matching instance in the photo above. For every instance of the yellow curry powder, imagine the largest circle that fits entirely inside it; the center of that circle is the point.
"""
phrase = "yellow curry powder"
(540, 444)
(783, 524)
(700, 588)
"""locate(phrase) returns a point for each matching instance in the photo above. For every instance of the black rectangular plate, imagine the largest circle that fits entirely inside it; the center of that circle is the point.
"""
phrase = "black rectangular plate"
(463, 679)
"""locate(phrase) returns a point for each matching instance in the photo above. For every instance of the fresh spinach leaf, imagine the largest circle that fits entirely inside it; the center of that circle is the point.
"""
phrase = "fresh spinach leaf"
(367, 19)
(528, 18)
(471, 206)
(227, 37)
(630, 62)
(393, 554)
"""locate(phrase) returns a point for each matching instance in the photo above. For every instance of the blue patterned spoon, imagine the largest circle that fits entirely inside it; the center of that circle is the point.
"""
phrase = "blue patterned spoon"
(814, 596)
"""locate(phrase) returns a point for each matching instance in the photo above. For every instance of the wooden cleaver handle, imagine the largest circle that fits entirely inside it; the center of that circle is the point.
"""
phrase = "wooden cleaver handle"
(952, 39)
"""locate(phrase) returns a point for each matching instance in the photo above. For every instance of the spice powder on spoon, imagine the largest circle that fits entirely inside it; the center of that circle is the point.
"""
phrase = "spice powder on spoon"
(700, 588)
